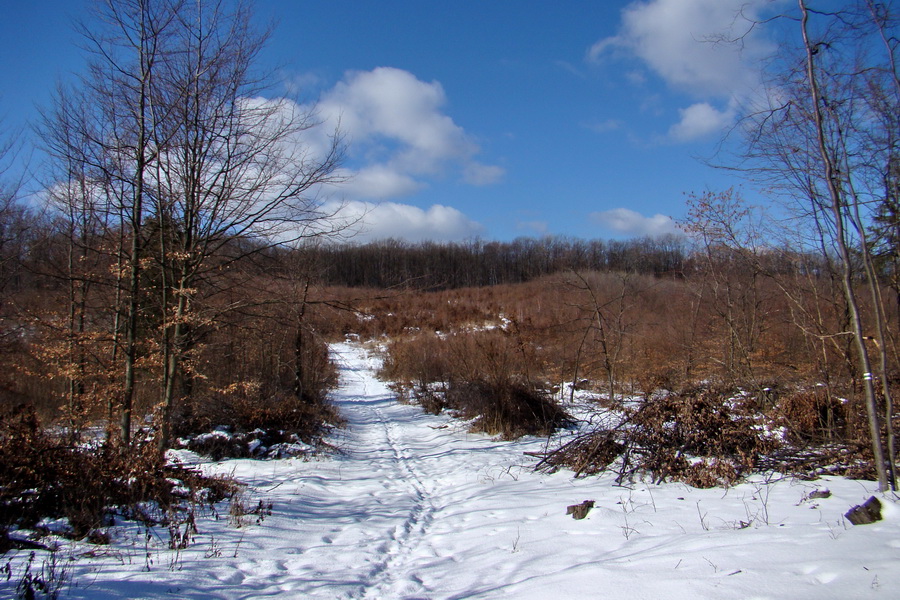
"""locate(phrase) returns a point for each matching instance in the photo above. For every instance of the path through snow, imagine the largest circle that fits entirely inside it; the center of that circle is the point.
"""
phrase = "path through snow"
(416, 508)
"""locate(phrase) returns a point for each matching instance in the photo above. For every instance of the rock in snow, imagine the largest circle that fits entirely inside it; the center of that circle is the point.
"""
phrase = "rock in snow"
(580, 511)
(865, 514)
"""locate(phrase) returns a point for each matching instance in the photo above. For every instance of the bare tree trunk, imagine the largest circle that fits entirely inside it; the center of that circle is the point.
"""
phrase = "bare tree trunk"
(173, 366)
(608, 329)
(117, 321)
(128, 44)
(300, 342)
(837, 206)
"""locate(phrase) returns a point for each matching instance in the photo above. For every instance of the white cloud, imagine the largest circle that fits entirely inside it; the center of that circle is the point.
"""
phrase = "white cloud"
(629, 222)
(298, 84)
(636, 77)
(367, 222)
(397, 130)
(676, 40)
(478, 174)
(379, 182)
(699, 120)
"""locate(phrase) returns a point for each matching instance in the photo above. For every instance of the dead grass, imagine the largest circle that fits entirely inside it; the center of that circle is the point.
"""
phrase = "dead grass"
(482, 375)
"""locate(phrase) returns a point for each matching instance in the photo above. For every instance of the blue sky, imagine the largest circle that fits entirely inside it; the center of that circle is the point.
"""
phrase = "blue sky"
(492, 119)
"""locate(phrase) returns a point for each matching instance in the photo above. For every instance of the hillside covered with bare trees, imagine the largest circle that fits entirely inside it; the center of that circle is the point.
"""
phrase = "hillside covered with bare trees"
(178, 280)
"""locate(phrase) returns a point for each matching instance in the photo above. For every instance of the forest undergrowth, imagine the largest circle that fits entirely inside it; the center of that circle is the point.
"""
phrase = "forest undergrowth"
(641, 375)
(683, 393)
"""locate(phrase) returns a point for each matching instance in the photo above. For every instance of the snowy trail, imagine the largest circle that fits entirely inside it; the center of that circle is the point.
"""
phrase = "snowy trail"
(379, 435)
(379, 503)
(415, 508)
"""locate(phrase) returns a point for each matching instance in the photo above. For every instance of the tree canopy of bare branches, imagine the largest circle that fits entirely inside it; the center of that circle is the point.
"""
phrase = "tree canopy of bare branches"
(171, 149)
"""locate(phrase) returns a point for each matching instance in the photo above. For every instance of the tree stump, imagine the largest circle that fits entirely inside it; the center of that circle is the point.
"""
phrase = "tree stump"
(863, 514)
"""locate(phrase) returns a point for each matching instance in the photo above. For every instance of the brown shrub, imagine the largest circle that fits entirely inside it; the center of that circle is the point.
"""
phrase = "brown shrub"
(268, 411)
(431, 400)
(712, 472)
(702, 438)
(228, 427)
(812, 416)
(704, 424)
(589, 454)
(508, 409)
(483, 375)
(44, 476)
(419, 360)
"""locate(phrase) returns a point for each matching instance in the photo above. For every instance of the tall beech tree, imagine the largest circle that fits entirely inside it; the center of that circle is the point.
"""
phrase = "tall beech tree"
(177, 139)
(233, 166)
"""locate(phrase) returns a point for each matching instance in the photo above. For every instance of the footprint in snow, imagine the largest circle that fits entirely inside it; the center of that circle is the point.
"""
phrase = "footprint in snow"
(235, 578)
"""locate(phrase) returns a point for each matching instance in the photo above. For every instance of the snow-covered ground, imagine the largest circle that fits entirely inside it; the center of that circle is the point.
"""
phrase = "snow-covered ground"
(417, 508)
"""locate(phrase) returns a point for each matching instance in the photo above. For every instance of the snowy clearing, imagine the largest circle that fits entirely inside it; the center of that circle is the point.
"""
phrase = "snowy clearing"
(417, 508)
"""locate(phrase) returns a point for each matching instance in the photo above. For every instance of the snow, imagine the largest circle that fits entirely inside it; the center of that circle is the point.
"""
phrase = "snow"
(56, 526)
(417, 508)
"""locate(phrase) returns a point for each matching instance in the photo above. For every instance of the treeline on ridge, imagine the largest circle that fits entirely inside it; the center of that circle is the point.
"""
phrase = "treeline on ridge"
(434, 265)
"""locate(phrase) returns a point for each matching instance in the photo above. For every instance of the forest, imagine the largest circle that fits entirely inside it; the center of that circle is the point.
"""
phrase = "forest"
(177, 276)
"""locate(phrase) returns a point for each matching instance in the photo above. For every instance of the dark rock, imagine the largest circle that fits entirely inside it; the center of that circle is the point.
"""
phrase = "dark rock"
(863, 514)
(580, 511)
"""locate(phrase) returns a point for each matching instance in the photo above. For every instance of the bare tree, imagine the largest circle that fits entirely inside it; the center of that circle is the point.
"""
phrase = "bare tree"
(169, 143)
(128, 41)
(15, 222)
(819, 140)
(603, 315)
(232, 166)
(72, 200)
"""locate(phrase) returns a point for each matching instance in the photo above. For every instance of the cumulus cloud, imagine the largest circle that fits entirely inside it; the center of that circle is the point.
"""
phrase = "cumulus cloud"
(699, 120)
(297, 84)
(629, 222)
(378, 182)
(675, 39)
(366, 221)
(399, 133)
